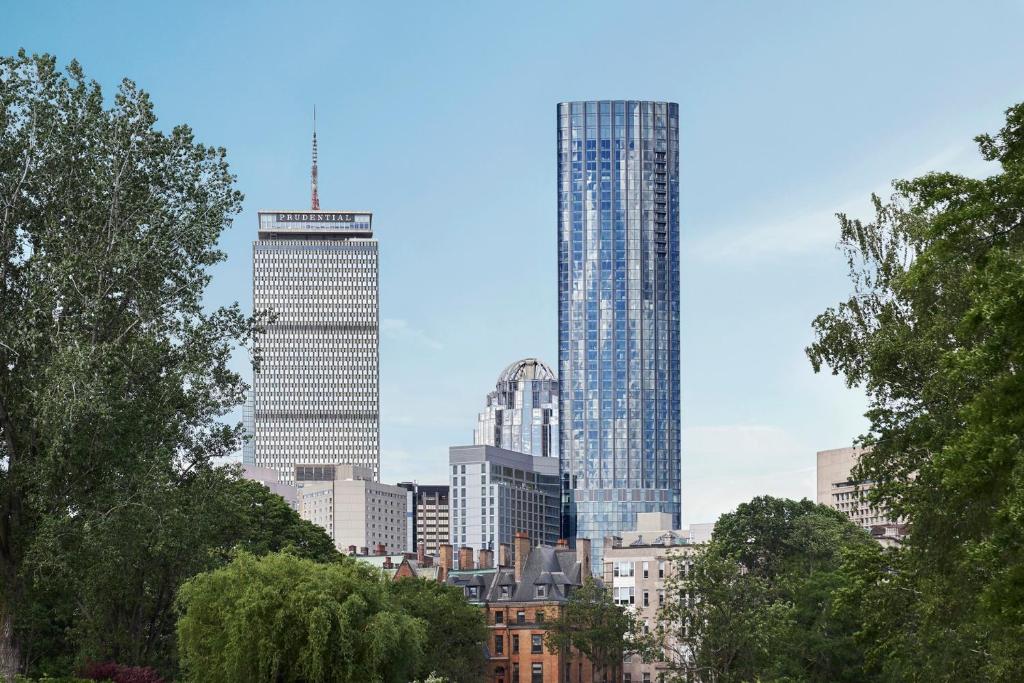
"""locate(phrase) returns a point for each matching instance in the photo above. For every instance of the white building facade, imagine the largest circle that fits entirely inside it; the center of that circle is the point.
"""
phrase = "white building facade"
(354, 509)
(316, 396)
(495, 493)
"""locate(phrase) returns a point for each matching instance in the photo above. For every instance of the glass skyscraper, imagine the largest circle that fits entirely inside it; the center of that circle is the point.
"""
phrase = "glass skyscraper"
(618, 314)
(522, 412)
(316, 392)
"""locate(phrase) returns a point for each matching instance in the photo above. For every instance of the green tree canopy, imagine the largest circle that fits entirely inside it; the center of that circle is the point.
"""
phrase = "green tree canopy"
(114, 379)
(457, 629)
(762, 600)
(283, 618)
(603, 632)
(934, 333)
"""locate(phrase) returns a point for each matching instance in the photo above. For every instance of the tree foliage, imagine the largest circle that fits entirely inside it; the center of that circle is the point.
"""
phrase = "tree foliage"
(762, 600)
(457, 629)
(603, 632)
(934, 333)
(114, 379)
(283, 618)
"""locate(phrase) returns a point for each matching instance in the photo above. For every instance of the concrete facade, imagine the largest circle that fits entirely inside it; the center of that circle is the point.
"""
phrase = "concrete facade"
(353, 508)
(270, 478)
(838, 489)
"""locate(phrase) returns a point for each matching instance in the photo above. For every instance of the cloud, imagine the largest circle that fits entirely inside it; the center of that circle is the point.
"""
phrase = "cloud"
(726, 465)
(801, 232)
(400, 330)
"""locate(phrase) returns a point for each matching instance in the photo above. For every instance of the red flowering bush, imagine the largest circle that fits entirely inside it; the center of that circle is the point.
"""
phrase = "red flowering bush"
(120, 673)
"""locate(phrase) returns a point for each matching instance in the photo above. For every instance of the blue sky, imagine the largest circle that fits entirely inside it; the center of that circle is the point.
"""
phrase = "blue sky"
(440, 118)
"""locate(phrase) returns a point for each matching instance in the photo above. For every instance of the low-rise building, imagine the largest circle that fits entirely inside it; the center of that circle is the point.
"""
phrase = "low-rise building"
(354, 509)
(637, 566)
(520, 598)
(271, 478)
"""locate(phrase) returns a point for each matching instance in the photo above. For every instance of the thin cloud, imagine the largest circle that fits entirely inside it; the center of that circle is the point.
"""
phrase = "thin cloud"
(400, 330)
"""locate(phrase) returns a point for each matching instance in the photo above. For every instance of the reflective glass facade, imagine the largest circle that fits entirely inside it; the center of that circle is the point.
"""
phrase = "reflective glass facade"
(522, 411)
(618, 314)
(316, 393)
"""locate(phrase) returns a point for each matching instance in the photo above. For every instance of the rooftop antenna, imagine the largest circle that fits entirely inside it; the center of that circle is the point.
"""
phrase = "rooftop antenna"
(316, 196)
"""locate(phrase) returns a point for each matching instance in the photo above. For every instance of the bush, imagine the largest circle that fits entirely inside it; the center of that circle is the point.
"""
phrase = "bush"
(120, 673)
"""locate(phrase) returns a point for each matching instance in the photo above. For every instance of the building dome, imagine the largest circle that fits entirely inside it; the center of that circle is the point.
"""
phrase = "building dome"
(527, 368)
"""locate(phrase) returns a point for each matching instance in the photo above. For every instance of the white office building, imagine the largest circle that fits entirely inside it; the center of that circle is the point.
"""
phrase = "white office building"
(316, 391)
(354, 509)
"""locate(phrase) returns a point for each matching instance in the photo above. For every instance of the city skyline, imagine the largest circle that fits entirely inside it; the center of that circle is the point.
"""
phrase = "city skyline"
(782, 128)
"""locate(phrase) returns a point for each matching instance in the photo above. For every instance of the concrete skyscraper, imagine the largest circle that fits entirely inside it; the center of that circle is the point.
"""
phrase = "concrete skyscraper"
(618, 314)
(316, 392)
(522, 412)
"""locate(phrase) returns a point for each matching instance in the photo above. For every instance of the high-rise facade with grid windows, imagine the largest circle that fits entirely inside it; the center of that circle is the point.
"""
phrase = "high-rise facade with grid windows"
(618, 314)
(316, 391)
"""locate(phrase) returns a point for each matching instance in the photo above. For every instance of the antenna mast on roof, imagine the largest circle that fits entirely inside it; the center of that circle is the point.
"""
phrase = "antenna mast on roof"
(316, 196)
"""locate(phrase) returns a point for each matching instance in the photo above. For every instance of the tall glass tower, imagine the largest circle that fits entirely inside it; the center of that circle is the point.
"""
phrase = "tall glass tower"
(618, 314)
(522, 412)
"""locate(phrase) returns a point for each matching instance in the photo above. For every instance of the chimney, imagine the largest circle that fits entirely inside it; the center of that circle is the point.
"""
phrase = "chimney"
(583, 557)
(421, 553)
(446, 561)
(364, 551)
(522, 548)
(504, 555)
(562, 544)
(388, 564)
(486, 558)
(351, 550)
(465, 557)
(379, 549)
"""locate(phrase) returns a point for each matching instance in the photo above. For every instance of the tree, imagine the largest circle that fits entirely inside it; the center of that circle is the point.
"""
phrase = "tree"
(934, 333)
(761, 601)
(266, 523)
(283, 618)
(113, 378)
(457, 629)
(591, 623)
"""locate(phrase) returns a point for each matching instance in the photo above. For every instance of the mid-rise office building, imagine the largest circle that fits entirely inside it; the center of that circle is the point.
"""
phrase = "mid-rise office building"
(522, 412)
(428, 515)
(618, 314)
(352, 507)
(637, 565)
(316, 392)
(838, 488)
(496, 493)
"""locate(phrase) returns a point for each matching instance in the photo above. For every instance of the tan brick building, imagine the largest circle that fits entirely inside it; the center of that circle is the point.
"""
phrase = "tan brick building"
(637, 565)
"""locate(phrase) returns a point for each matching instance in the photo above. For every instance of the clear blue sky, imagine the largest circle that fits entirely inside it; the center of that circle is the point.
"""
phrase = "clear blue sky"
(440, 118)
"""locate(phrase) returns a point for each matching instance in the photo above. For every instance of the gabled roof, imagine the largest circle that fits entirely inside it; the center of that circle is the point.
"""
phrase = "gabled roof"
(557, 569)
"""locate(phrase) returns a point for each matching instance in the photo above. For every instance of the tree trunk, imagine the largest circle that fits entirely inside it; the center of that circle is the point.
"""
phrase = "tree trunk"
(10, 656)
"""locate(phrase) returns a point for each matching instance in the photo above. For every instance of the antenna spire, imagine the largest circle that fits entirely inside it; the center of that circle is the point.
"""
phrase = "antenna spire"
(316, 196)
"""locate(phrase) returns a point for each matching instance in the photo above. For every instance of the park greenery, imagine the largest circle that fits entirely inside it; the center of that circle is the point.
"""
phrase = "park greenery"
(124, 543)
(934, 334)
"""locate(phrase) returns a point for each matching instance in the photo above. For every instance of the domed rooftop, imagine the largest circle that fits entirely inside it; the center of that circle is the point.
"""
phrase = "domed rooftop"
(527, 368)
